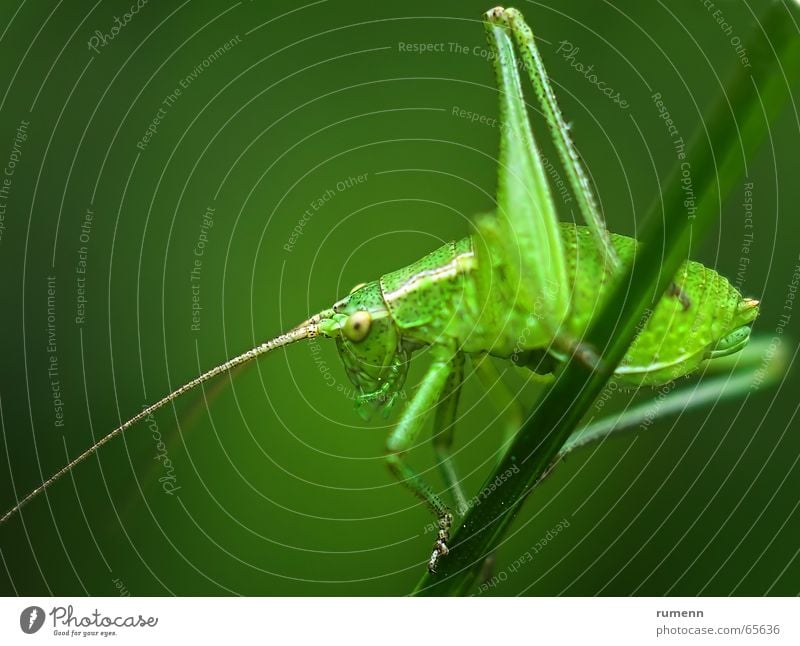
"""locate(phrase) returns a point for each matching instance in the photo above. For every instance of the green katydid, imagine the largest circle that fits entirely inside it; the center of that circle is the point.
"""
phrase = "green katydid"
(522, 287)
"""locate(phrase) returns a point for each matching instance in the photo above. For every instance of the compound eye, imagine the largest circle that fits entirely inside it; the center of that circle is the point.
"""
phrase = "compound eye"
(356, 327)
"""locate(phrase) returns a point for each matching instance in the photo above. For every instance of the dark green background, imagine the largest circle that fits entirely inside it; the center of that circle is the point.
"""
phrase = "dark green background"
(282, 486)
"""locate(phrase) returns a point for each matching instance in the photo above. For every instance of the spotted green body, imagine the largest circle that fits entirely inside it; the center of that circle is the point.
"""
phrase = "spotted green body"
(459, 298)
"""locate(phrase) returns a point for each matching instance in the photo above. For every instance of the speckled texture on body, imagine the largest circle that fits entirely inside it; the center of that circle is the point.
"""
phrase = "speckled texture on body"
(438, 300)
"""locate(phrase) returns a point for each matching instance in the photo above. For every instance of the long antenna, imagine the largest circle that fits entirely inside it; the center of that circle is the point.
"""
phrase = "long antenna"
(306, 330)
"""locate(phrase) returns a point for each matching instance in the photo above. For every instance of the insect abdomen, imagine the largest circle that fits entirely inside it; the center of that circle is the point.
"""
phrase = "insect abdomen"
(681, 330)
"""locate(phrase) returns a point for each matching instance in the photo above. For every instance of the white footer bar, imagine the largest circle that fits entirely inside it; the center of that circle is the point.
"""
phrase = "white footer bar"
(400, 621)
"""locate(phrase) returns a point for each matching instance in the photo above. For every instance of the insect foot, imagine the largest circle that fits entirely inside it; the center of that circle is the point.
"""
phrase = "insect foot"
(440, 546)
(496, 14)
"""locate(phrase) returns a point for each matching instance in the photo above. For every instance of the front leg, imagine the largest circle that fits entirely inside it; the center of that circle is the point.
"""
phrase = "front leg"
(407, 431)
(444, 423)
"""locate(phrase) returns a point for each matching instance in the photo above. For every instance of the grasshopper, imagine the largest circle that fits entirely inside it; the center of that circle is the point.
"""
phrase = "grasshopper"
(522, 287)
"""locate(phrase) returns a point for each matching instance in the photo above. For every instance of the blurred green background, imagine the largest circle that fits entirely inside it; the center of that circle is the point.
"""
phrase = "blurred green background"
(279, 487)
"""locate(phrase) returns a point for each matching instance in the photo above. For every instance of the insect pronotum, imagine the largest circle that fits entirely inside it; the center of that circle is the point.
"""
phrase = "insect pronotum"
(521, 270)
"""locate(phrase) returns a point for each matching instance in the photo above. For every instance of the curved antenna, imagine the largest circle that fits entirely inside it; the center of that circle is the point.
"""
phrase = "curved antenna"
(306, 330)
